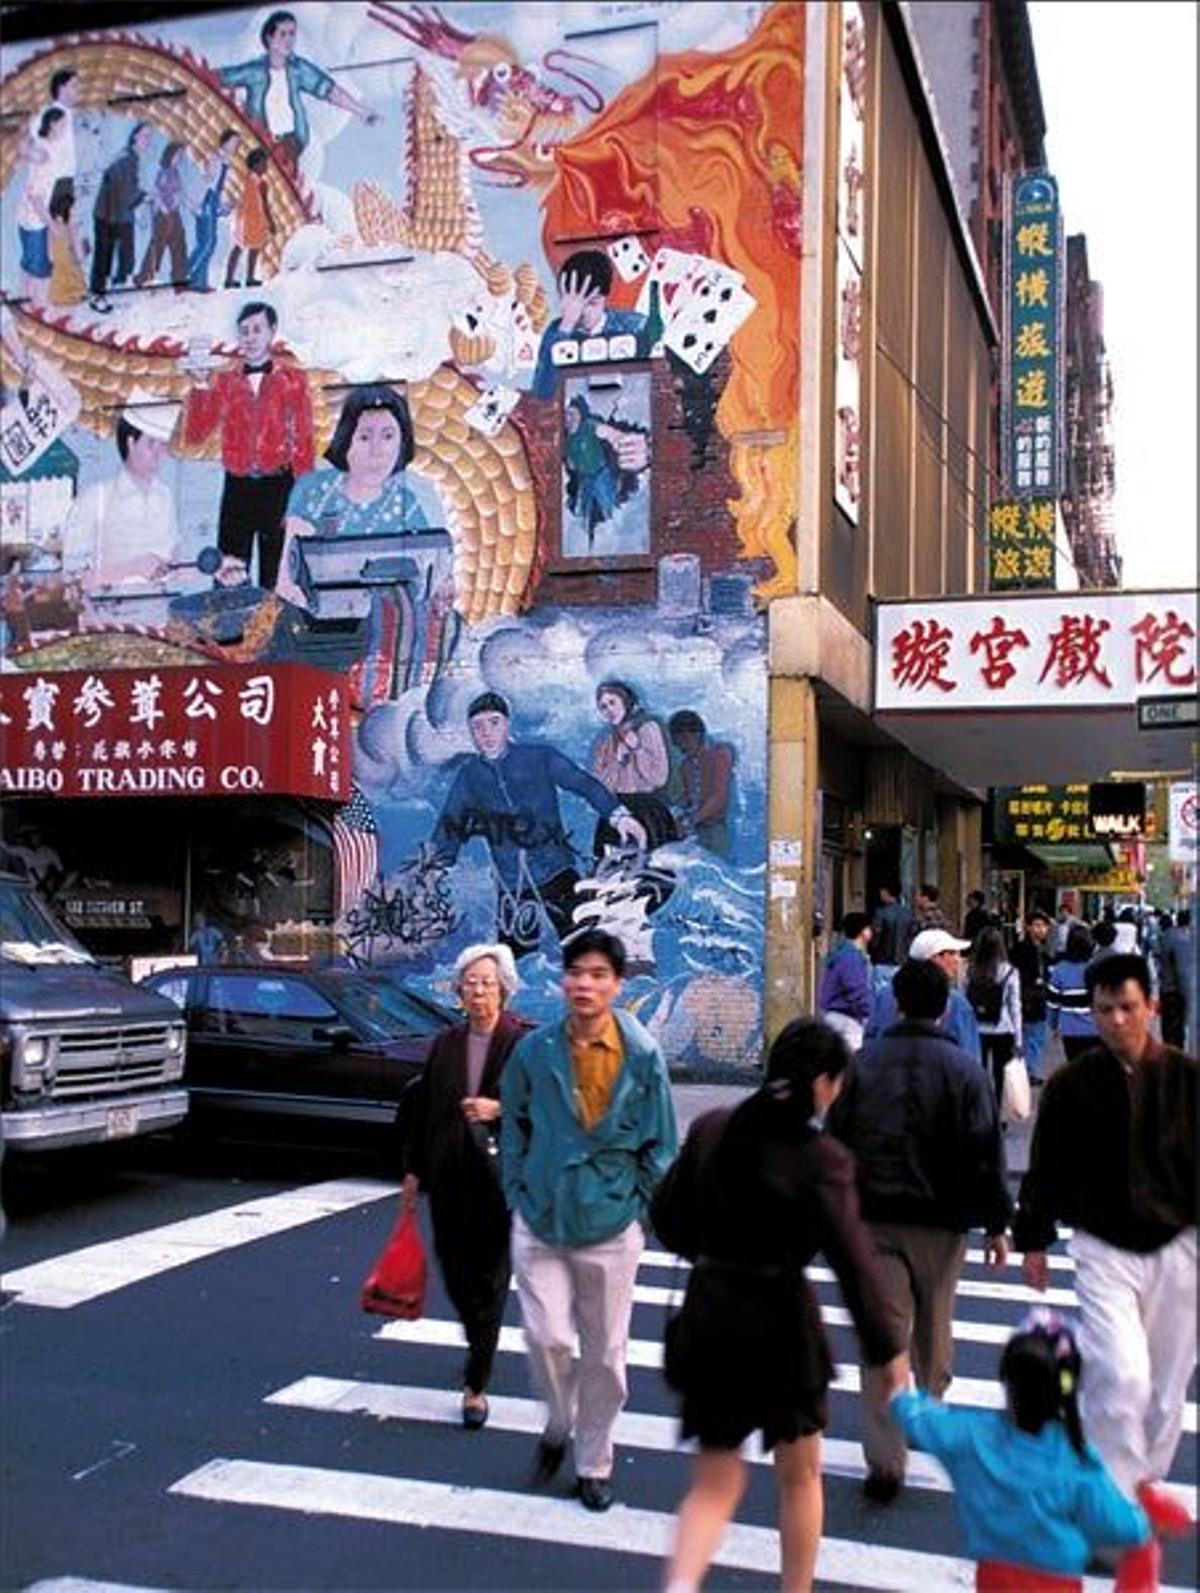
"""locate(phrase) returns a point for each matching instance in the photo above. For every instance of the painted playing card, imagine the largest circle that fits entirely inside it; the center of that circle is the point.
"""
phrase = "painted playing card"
(492, 409)
(718, 306)
(668, 269)
(630, 259)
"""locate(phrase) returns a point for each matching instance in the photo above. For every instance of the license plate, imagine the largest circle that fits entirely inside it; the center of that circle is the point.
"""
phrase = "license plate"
(122, 1120)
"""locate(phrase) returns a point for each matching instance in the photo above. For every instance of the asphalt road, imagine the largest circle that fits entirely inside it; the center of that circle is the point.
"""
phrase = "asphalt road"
(197, 1402)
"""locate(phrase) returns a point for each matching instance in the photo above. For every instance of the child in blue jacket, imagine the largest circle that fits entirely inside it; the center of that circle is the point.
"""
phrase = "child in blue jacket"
(1033, 1499)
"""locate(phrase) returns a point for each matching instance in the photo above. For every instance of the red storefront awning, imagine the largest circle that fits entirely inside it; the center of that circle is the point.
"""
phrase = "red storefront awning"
(213, 730)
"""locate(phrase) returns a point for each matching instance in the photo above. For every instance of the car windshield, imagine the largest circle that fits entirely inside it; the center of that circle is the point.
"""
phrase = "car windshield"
(386, 1012)
(30, 935)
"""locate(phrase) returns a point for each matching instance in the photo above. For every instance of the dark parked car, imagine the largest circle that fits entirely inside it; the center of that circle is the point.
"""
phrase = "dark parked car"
(319, 1044)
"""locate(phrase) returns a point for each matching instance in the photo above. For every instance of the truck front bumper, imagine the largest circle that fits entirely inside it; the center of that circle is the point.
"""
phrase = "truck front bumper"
(60, 1124)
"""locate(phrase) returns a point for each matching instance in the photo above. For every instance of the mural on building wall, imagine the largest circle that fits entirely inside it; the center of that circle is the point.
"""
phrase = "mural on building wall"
(340, 334)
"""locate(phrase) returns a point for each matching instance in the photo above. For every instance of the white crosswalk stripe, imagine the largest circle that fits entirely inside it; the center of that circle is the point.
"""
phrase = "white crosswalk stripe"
(625, 1529)
(81, 1275)
(990, 1306)
(978, 1391)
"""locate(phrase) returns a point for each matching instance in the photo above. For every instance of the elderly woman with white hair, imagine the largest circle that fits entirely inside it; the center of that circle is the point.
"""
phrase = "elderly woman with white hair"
(451, 1134)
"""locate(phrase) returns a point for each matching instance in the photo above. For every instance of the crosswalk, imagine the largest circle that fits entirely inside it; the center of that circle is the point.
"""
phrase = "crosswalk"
(426, 1486)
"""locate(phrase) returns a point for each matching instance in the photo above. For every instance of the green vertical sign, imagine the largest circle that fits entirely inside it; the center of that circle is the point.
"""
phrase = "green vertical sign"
(1032, 399)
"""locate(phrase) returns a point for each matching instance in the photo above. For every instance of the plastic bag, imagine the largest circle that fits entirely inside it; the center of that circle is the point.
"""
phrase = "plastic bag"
(395, 1285)
(1016, 1097)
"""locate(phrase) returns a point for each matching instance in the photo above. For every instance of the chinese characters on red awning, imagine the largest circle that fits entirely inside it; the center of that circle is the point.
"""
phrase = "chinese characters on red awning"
(219, 730)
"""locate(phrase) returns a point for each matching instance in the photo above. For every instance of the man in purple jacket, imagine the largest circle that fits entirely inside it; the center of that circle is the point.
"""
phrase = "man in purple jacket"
(844, 998)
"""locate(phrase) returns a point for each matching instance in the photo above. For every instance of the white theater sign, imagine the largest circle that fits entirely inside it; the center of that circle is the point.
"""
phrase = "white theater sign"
(1002, 689)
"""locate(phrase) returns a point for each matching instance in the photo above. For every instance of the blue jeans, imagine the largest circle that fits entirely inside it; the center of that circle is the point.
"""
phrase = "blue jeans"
(1035, 1046)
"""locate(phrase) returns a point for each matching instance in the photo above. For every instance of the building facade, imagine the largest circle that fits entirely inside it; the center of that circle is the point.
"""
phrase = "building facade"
(532, 405)
(1091, 466)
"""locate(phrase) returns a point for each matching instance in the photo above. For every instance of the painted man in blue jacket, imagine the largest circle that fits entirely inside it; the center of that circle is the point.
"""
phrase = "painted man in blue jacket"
(507, 793)
(587, 1129)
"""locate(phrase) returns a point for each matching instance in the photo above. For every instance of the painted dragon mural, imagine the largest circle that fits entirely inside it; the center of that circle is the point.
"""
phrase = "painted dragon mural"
(515, 264)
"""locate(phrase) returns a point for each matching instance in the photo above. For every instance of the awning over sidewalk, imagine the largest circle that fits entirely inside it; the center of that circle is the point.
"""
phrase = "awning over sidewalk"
(1000, 689)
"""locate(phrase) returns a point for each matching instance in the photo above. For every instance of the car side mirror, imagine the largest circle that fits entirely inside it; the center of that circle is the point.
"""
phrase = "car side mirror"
(338, 1035)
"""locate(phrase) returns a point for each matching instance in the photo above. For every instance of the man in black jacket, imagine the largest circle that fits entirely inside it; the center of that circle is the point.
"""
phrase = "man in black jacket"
(1114, 1155)
(920, 1116)
(1031, 959)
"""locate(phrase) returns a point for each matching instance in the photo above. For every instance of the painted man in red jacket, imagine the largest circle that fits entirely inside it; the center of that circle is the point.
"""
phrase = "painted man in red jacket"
(266, 421)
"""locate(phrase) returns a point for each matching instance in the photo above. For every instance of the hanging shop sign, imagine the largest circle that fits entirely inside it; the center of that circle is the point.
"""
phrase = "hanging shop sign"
(1031, 397)
(1058, 650)
(220, 730)
(1021, 544)
(1053, 815)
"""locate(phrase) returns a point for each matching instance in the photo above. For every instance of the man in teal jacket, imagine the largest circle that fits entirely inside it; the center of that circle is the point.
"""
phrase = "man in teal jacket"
(587, 1130)
(276, 82)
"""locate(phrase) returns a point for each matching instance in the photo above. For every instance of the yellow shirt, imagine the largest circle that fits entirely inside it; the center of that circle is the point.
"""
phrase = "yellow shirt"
(595, 1065)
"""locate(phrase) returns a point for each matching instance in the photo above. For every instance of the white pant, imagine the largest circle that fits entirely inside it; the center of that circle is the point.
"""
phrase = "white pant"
(1137, 1339)
(588, 1291)
(850, 1029)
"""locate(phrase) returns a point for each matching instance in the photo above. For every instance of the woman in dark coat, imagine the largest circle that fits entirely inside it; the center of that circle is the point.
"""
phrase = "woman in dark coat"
(451, 1129)
(755, 1192)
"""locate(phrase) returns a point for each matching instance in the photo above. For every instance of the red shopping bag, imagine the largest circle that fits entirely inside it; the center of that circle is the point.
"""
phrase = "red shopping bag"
(395, 1285)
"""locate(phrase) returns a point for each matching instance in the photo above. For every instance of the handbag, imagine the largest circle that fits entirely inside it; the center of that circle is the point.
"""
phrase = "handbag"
(1016, 1097)
(395, 1286)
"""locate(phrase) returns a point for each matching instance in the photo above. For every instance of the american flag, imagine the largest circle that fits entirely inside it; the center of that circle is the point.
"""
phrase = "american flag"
(355, 851)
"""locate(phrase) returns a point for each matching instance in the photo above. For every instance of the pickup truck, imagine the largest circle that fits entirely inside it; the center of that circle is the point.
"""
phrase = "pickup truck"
(85, 1056)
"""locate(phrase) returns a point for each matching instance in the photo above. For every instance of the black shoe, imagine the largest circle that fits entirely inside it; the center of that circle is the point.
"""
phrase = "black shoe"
(547, 1462)
(882, 1487)
(595, 1493)
(474, 1416)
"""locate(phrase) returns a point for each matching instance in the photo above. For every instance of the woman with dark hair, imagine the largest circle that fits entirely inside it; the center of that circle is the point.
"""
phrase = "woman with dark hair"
(33, 209)
(167, 200)
(994, 994)
(756, 1191)
(1067, 999)
(631, 754)
(362, 491)
(630, 759)
(1033, 1499)
(68, 285)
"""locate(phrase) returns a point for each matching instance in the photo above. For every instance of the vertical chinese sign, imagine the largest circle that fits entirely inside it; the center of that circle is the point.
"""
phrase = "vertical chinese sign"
(852, 117)
(1022, 542)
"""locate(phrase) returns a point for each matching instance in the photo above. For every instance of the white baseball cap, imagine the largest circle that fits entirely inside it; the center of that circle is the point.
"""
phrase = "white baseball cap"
(932, 942)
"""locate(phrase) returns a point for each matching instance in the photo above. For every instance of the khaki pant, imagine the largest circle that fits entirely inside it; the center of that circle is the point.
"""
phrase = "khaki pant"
(589, 1292)
(919, 1269)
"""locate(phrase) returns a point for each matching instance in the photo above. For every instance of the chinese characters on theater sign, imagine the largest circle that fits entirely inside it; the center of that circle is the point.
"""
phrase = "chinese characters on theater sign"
(1066, 650)
(852, 112)
(1030, 398)
(1021, 544)
(224, 730)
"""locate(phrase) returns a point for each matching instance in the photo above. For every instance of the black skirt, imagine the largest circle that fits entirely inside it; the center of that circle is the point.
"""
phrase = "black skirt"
(747, 1352)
